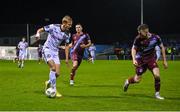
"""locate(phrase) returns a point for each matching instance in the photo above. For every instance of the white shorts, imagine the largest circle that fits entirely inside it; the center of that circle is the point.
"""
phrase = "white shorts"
(51, 55)
(22, 55)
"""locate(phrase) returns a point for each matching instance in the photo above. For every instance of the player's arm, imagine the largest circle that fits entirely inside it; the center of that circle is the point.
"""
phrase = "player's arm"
(87, 45)
(70, 45)
(133, 53)
(19, 46)
(67, 54)
(89, 42)
(39, 31)
(160, 43)
(67, 46)
(164, 56)
(44, 29)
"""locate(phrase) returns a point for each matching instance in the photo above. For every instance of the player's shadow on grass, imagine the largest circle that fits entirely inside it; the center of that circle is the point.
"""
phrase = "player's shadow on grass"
(138, 95)
(117, 86)
(39, 91)
(92, 97)
(151, 96)
(171, 98)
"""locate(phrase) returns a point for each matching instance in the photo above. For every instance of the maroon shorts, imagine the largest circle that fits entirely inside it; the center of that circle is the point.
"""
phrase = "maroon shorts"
(143, 65)
(77, 57)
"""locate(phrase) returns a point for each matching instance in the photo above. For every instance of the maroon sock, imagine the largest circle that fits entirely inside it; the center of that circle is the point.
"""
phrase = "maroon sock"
(131, 80)
(72, 74)
(157, 84)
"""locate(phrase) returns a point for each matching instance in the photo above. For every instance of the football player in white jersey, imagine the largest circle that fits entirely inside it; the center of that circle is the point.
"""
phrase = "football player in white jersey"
(22, 46)
(57, 33)
(92, 50)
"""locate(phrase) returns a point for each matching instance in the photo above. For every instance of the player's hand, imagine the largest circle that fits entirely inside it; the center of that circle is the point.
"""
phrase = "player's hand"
(135, 63)
(165, 64)
(83, 46)
(37, 36)
(67, 62)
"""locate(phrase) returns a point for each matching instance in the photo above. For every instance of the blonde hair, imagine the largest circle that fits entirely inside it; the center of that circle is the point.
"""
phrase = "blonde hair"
(66, 19)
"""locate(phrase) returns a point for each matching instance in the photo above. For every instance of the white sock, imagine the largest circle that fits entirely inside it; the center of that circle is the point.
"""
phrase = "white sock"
(22, 64)
(18, 63)
(52, 78)
(92, 60)
(157, 93)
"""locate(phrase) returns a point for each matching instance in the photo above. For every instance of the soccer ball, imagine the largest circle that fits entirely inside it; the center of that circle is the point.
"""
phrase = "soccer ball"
(50, 92)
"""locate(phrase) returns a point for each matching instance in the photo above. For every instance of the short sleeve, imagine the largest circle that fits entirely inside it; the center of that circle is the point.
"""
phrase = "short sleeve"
(159, 41)
(135, 43)
(49, 28)
(67, 38)
(88, 37)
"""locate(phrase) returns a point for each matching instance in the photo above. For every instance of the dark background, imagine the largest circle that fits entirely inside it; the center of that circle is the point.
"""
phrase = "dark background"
(105, 20)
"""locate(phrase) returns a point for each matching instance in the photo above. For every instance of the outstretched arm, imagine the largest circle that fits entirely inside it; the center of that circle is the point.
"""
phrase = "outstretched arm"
(67, 46)
(38, 33)
(87, 45)
(164, 56)
(133, 53)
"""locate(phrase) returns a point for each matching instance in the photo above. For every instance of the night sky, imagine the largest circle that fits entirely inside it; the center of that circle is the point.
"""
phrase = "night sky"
(104, 20)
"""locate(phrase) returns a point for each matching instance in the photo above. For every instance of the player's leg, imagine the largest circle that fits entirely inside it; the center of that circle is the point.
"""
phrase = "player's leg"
(93, 56)
(22, 60)
(157, 84)
(136, 78)
(39, 58)
(73, 71)
(153, 67)
(155, 70)
(52, 74)
(48, 57)
(57, 67)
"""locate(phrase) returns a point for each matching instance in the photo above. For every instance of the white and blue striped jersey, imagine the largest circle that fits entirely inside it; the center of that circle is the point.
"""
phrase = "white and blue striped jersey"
(55, 37)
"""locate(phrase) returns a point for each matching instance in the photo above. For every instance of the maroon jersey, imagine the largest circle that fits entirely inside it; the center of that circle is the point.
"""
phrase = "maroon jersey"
(145, 47)
(76, 39)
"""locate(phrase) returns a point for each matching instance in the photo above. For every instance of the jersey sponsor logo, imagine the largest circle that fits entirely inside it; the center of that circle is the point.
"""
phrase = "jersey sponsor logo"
(48, 55)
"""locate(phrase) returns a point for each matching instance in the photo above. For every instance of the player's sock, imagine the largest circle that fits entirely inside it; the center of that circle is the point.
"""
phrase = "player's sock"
(157, 88)
(126, 85)
(131, 80)
(127, 82)
(92, 60)
(19, 64)
(73, 71)
(52, 76)
(157, 84)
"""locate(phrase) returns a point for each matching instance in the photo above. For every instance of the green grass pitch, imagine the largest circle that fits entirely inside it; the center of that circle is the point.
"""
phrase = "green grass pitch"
(97, 87)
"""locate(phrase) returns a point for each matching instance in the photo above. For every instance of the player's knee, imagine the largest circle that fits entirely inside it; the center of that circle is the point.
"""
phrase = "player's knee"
(75, 67)
(137, 79)
(53, 68)
(57, 74)
(156, 75)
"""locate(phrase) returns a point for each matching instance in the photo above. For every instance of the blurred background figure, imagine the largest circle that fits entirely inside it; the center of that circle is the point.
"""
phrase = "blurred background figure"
(17, 55)
(39, 50)
(22, 46)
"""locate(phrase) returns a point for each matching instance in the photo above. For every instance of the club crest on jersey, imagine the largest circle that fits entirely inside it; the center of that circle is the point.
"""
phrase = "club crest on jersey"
(48, 55)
